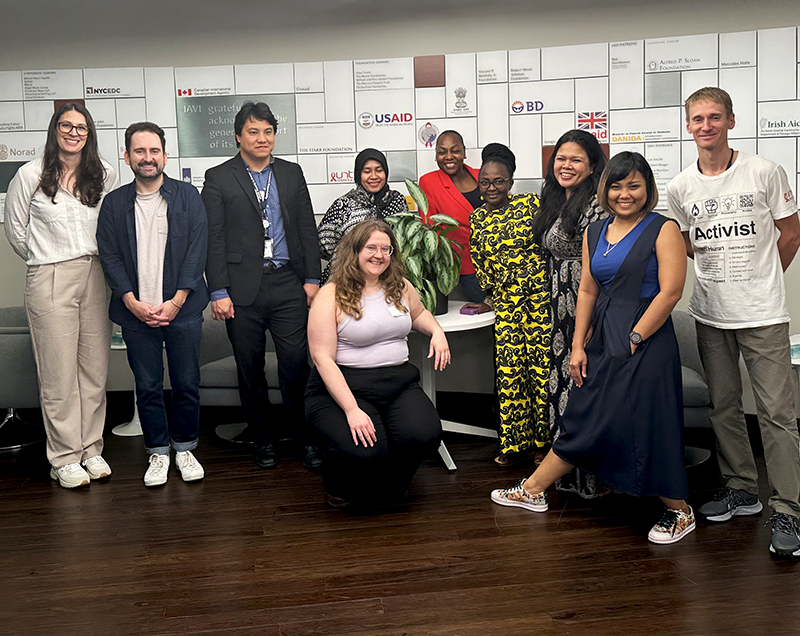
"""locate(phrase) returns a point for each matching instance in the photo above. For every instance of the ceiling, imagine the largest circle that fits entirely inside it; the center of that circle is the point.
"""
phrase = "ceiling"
(171, 16)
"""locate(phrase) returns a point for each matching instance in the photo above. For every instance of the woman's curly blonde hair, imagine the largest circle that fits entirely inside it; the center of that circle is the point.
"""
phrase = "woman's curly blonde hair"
(347, 275)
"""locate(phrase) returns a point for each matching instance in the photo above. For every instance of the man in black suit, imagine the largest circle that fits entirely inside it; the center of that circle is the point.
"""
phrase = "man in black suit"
(263, 271)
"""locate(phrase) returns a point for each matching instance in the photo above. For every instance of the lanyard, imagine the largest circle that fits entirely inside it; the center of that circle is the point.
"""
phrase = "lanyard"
(262, 196)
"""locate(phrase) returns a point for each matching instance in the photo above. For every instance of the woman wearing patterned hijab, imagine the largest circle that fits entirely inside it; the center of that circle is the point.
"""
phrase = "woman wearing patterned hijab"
(370, 199)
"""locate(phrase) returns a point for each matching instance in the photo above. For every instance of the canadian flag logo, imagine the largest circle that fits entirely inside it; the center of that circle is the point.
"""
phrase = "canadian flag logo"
(184, 92)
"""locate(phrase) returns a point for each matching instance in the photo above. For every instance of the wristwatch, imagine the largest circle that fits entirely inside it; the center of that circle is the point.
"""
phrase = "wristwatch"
(636, 338)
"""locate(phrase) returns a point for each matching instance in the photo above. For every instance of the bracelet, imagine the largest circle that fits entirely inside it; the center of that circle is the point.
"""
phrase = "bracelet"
(176, 304)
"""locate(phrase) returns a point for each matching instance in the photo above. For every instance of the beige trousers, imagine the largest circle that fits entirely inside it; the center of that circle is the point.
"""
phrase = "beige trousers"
(67, 306)
(767, 357)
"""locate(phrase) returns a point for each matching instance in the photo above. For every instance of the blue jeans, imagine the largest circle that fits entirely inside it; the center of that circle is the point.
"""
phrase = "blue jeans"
(471, 288)
(145, 356)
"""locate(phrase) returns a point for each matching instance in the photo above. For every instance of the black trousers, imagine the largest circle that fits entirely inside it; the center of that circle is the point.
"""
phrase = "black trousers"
(407, 426)
(280, 307)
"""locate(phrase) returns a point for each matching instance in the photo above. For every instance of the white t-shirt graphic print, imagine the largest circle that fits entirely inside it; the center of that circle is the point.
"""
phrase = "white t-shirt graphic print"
(730, 220)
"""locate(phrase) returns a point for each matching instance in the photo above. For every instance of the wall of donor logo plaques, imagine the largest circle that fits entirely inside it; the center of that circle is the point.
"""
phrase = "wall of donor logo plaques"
(628, 94)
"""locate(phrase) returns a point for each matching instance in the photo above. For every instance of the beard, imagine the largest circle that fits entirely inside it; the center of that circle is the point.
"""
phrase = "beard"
(147, 176)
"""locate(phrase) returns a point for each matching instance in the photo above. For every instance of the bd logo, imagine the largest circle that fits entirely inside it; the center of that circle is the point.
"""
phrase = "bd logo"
(529, 107)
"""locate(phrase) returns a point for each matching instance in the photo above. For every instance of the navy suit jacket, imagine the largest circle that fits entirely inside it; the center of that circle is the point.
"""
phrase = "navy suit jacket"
(184, 257)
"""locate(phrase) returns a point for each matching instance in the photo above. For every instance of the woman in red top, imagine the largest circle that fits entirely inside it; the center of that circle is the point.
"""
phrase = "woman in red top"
(453, 190)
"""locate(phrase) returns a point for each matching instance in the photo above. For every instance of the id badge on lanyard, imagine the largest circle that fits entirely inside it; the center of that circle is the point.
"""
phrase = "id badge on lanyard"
(263, 199)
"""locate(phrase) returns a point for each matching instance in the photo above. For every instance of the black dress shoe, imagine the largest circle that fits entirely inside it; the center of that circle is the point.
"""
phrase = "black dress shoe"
(266, 457)
(337, 502)
(311, 458)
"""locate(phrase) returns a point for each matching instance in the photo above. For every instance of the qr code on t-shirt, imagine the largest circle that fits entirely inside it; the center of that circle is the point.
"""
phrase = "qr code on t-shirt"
(747, 201)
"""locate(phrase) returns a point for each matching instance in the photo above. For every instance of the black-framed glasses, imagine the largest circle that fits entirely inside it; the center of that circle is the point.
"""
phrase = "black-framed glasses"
(67, 127)
(386, 250)
(497, 183)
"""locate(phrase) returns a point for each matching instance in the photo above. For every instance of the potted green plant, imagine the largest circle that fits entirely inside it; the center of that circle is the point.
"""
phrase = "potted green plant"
(432, 260)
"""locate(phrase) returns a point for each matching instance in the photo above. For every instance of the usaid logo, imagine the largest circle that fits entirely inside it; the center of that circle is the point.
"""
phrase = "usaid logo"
(367, 120)
(527, 107)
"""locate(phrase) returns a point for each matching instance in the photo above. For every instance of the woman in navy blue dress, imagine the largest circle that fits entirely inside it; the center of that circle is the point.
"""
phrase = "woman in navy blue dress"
(624, 417)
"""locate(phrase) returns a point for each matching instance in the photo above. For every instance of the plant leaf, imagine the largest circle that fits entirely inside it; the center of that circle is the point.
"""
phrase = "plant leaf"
(419, 197)
(401, 215)
(414, 268)
(413, 228)
(428, 295)
(444, 219)
(431, 244)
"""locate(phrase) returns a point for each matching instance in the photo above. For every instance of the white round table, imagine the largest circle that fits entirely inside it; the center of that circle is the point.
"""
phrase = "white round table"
(452, 321)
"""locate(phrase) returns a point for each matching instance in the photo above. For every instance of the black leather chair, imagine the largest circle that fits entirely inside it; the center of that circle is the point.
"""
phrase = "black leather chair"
(696, 400)
(219, 384)
(19, 385)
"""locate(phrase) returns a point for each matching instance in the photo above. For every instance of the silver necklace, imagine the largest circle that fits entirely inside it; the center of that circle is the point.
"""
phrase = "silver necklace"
(611, 245)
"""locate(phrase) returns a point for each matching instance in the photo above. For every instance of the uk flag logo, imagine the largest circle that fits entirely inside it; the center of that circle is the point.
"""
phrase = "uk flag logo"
(594, 120)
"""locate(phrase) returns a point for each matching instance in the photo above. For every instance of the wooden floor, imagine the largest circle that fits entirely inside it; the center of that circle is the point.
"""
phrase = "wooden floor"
(249, 551)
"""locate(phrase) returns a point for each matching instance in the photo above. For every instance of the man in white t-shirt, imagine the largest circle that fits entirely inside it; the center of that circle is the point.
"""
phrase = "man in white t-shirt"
(739, 220)
(152, 236)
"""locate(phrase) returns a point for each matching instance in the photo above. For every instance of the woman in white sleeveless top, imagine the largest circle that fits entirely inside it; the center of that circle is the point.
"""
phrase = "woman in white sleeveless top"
(363, 400)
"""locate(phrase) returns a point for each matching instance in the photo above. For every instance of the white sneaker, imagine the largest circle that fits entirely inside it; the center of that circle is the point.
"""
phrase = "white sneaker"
(70, 476)
(97, 468)
(190, 468)
(157, 474)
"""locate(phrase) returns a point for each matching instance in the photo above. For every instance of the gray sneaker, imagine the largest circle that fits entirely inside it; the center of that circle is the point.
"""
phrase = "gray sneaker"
(785, 535)
(730, 503)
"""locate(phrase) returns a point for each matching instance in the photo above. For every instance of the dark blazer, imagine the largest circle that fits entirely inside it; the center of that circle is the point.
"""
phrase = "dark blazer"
(236, 234)
(184, 257)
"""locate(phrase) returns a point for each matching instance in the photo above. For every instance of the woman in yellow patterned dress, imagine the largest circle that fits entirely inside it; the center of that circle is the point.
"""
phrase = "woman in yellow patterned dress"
(510, 267)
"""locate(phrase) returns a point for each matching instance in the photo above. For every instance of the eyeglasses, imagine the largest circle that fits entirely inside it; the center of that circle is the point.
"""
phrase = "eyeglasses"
(497, 183)
(66, 127)
(386, 250)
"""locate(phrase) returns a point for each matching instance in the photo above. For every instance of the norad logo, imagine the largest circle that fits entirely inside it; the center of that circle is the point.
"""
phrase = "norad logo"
(21, 152)
(3, 152)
